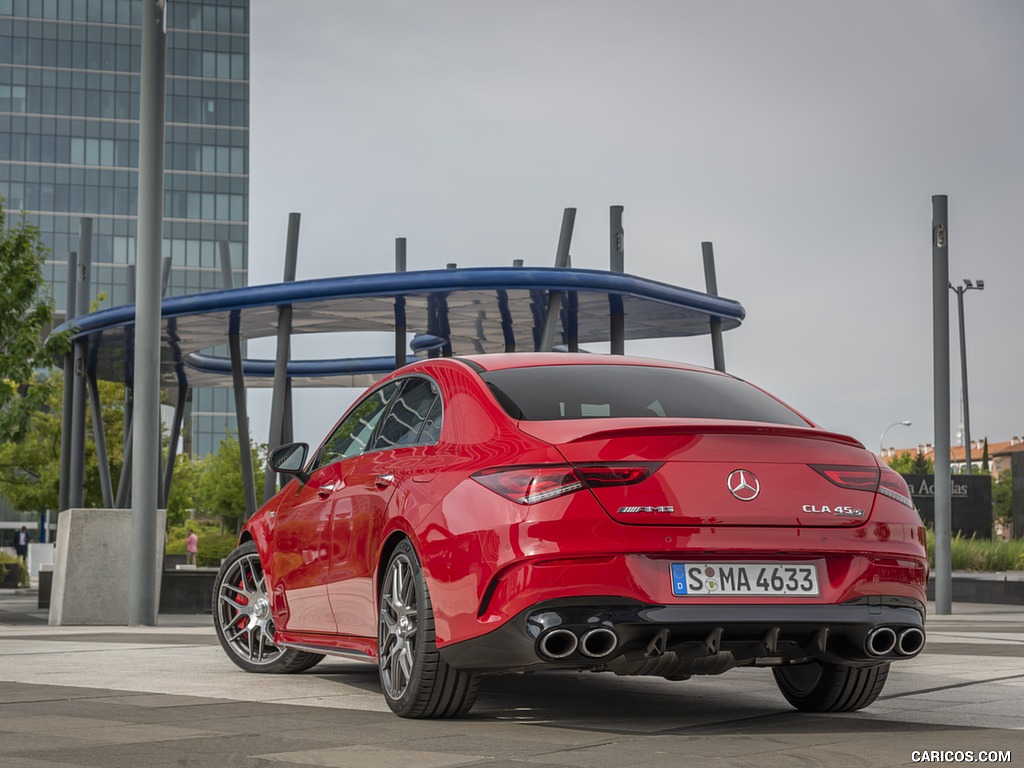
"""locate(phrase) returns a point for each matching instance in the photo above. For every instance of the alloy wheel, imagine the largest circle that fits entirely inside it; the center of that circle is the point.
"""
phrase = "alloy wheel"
(243, 612)
(399, 605)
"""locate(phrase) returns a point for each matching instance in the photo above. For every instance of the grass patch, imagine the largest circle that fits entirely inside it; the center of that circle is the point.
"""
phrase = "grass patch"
(982, 555)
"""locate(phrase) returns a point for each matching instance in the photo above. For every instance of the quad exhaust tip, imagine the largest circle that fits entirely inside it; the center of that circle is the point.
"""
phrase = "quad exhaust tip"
(881, 641)
(558, 643)
(885, 641)
(910, 642)
(598, 643)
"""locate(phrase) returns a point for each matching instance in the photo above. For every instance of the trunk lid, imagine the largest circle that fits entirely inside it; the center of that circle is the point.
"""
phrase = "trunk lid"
(715, 473)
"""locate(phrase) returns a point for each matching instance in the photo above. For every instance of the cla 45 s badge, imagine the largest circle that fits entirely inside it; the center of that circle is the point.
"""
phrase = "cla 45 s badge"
(838, 511)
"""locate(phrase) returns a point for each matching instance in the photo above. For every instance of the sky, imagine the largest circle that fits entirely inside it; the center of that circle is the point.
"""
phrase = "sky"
(805, 140)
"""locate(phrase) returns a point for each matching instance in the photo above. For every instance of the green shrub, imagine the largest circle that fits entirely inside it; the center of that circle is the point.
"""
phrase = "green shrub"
(10, 561)
(214, 545)
(984, 555)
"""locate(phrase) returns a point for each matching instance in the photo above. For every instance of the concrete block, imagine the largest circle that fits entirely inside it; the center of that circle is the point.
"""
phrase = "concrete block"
(38, 556)
(92, 572)
(188, 589)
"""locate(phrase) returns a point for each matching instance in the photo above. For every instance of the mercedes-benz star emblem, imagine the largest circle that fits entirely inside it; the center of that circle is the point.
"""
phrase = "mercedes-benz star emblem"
(743, 485)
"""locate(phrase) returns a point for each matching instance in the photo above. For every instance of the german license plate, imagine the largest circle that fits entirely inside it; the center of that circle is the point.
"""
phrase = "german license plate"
(744, 579)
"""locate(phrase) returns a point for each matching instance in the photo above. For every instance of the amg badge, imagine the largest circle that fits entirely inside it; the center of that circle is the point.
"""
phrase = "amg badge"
(646, 510)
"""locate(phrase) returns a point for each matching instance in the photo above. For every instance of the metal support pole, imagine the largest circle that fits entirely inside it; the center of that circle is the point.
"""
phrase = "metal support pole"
(284, 337)
(242, 417)
(83, 291)
(100, 438)
(547, 338)
(288, 428)
(172, 446)
(69, 394)
(969, 470)
(146, 418)
(226, 275)
(225, 265)
(400, 319)
(124, 482)
(940, 365)
(165, 275)
(711, 281)
(617, 249)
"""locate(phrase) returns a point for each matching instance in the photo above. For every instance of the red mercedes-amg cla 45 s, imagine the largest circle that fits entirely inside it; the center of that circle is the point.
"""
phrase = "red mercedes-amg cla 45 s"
(500, 513)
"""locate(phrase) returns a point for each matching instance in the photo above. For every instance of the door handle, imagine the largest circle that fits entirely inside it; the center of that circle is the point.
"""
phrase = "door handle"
(326, 490)
(383, 481)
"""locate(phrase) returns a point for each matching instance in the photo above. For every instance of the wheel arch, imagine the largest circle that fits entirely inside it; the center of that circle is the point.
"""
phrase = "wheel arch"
(390, 544)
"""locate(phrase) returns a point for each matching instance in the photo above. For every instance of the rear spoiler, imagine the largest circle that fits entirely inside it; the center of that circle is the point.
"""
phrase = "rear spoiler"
(605, 429)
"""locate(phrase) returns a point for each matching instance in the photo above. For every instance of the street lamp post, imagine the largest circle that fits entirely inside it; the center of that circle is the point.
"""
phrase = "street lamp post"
(960, 290)
(881, 440)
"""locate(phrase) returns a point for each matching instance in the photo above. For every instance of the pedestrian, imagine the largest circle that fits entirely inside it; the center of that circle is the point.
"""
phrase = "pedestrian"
(21, 540)
(191, 546)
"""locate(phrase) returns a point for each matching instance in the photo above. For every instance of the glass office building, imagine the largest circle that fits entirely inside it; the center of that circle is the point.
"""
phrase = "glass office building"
(69, 128)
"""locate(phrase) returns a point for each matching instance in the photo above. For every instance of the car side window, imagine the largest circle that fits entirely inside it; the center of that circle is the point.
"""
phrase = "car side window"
(432, 425)
(353, 435)
(405, 419)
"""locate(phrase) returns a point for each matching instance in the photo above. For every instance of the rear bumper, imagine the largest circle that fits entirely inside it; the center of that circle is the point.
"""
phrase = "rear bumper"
(631, 638)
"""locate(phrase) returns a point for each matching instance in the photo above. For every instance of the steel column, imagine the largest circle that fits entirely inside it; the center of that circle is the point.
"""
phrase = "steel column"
(83, 290)
(242, 417)
(969, 463)
(149, 245)
(711, 282)
(547, 338)
(940, 365)
(617, 248)
(400, 322)
(172, 446)
(165, 275)
(124, 482)
(69, 392)
(284, 337)
(100, 437)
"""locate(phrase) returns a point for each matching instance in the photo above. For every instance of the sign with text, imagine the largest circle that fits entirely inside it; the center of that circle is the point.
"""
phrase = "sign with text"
(971, 497)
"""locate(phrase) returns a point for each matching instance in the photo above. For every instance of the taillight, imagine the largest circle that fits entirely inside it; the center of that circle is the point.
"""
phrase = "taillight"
(534, 484)
(854, 478)
(885, 481)
(895, 487)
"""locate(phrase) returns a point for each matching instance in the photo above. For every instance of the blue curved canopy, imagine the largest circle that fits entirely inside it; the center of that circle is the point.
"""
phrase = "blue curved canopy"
(471, 311)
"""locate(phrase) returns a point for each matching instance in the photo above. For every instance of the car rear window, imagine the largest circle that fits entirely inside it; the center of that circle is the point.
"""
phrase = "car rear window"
(554, 392)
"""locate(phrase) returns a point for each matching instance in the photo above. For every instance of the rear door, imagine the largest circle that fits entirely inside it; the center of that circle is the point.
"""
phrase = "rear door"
(306, 538)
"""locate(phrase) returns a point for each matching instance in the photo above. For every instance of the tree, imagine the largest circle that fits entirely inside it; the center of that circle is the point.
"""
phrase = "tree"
(908, 463)
(922, 465)
(25, 314)
(181, 500)
(30, 468)
(219, 491)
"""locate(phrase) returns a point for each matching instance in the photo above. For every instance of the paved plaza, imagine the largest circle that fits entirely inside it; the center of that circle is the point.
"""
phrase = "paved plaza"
(167, 696)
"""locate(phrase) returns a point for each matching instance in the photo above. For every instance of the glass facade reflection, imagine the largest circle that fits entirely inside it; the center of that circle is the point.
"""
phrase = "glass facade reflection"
(69, 146)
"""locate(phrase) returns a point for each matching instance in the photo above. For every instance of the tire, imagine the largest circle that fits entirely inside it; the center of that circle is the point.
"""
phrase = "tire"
(241, 616)
(824, 687)
(416, 681)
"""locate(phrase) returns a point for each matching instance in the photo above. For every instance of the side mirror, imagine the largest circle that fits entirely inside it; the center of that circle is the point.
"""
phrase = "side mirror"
(289, 459)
